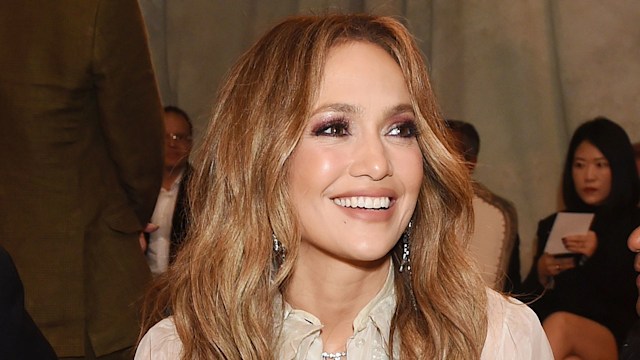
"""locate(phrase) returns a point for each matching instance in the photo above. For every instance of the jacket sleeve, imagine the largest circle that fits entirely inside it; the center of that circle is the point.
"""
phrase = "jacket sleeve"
(531, 287)
(128, 102)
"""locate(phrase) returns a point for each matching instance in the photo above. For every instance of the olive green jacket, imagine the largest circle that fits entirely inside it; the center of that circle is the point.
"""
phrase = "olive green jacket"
(80, 164)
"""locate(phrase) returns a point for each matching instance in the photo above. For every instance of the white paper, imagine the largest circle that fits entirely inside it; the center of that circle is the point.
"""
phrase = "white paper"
(566, 224)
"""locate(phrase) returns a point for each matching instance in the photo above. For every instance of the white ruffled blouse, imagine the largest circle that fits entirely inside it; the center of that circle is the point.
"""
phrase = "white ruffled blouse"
(514, 332)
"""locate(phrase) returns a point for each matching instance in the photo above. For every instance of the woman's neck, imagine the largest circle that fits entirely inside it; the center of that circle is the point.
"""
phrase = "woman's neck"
(335, 292)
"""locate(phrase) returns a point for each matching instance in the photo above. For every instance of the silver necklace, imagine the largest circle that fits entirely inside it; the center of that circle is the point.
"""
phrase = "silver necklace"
(337, 355)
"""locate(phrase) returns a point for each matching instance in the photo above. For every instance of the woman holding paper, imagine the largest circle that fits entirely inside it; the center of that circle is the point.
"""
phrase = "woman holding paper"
(586, 294)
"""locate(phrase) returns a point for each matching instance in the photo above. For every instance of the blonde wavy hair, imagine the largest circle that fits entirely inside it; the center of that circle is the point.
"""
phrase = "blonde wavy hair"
(222, 288)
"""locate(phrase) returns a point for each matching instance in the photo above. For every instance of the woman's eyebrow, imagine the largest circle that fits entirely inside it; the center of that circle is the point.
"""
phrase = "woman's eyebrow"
(399, 109)
(586, 159)
(337, 107)
(351, 109)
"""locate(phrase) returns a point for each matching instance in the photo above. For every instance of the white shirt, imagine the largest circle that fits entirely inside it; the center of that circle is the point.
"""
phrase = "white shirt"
(514, 332)
(160, 240)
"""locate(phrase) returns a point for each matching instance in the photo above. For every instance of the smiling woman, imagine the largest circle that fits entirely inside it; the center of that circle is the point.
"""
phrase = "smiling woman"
(326, 212)
(362, 149)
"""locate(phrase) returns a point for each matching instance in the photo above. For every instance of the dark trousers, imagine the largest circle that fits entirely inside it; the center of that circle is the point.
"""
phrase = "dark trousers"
(631, 348)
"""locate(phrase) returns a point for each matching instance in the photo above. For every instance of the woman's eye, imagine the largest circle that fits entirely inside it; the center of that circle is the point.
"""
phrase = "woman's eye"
(404, 130)
(578, 165)
(602, 164)
(334, 129)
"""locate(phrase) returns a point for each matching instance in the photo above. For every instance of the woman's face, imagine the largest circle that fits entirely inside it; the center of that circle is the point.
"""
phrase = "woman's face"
(591, 174)
(357, 171)
(634, 245)
(176, 151)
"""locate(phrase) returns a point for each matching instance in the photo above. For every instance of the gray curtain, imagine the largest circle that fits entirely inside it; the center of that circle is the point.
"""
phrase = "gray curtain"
(526, 73)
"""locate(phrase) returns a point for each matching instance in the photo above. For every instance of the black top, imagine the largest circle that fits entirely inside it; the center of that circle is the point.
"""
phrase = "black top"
(602, 287)
(20, 338)
(631, 348)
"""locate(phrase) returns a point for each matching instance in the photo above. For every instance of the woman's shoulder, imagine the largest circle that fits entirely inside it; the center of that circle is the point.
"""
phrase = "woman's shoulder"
(505, 310)
(514, 331)
(160, 342)
(547, 221)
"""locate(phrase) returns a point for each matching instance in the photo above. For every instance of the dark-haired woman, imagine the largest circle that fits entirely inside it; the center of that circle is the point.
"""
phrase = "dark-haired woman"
(587, 301)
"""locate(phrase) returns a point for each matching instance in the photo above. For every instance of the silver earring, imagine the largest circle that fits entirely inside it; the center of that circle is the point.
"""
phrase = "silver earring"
(278, 249)
(406, 256)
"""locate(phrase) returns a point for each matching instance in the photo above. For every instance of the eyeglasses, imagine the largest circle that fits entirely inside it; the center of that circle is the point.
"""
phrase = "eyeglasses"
(178, 138)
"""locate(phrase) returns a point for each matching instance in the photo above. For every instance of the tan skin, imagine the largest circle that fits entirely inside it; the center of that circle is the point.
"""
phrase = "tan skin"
(340, 268)
(337, 316)
(574, 337)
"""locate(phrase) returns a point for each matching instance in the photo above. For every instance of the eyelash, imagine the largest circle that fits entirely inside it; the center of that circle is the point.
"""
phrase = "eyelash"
(406, 129)
(333, 128)
(340, 127)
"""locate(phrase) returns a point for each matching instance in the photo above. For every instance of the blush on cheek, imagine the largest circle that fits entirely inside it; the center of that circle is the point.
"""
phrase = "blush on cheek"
(326, 165)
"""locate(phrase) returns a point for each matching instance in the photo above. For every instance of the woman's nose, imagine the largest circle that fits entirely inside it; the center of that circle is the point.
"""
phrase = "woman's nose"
(590, 172)
(371, 159)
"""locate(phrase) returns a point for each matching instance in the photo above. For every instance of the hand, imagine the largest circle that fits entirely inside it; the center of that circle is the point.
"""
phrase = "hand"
(549, 265)
(148, 230)
(585, 244)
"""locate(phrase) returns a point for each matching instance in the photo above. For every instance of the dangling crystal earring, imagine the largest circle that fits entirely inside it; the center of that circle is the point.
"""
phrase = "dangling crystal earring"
(278, 249)
(406, 260)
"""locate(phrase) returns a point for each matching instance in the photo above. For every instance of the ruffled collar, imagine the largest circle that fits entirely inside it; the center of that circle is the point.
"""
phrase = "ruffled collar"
(300, 333)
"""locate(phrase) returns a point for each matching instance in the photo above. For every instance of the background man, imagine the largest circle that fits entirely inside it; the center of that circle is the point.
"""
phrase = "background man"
(170, 214)
(81, 146)
(495, 241)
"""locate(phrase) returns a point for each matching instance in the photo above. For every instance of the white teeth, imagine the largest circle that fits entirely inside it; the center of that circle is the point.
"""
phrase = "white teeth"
(364, 202)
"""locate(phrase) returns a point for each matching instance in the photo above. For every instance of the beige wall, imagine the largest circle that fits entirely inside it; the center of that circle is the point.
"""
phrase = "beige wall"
(525, 72)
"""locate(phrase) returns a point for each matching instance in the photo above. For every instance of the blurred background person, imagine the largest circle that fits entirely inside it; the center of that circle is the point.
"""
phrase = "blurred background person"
(587, 301)
(20, 338)
(495, 243)
(631, 348)
(172, 208)
(82, 162)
